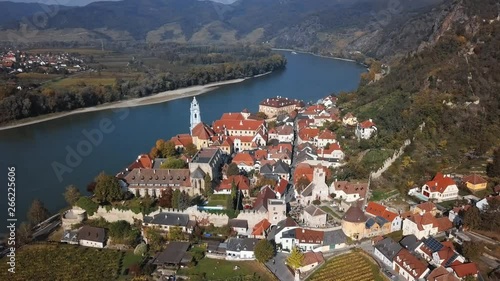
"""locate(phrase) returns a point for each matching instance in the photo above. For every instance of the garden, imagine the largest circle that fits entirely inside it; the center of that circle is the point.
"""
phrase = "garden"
(63, 262)
(212, 269)
(348, 267)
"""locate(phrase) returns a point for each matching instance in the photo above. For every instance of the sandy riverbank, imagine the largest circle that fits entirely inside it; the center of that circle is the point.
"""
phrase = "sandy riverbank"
(316, 55)
(153, 99)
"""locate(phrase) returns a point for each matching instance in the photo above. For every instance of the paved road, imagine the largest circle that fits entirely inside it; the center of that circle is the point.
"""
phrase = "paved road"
(477, 236)
(279, 268)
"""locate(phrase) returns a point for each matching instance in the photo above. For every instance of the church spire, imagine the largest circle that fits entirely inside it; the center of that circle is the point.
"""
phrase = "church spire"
(195, 114)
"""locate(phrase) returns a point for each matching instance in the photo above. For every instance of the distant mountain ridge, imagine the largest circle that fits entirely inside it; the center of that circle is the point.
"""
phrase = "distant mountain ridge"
(334, 27)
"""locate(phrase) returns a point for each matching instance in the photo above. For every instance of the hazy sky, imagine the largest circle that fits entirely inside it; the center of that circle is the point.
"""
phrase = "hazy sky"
(83, 2)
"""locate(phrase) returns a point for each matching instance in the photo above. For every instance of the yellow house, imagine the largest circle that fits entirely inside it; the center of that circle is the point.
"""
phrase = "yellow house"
(475, 182)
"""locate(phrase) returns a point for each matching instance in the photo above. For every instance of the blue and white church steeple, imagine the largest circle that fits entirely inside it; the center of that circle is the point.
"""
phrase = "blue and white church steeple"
(195, 114)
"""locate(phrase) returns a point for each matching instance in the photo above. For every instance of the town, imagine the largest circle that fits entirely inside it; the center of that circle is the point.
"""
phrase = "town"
(267, 187)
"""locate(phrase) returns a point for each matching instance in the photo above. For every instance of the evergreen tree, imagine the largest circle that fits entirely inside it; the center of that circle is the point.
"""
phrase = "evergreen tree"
(208, 185)
(176, 199)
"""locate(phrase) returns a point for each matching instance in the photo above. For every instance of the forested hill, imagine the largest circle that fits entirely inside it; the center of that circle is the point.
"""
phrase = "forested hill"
(453, 87)
(377, 28)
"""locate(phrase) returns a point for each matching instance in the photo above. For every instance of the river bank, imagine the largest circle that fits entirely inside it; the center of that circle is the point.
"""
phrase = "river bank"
(153, 99)
(314, 54)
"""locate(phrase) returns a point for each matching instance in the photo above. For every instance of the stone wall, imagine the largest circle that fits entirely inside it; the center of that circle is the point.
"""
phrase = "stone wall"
(115, 215)
(389, 161)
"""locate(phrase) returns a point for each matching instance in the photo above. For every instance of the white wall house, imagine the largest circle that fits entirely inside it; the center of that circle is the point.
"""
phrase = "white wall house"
(366, 129)
(90, 236)
(386, 250)
(283, 133)
(241, 248)
(441, 188)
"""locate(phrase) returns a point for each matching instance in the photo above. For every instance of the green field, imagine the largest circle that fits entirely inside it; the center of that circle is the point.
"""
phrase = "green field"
(217, 199)
(212, 269)
(62, 262)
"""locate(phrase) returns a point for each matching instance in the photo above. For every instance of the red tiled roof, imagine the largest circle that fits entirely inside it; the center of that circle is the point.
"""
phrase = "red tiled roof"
(426, 206)
(261, 227)
(351, 188)
(182, 140)
(232, 116)
(260, 154)
(245, 158)
(312, 257)
(307, 171)
(303, 123)
(241, 125)
(366, 124)
(308, 133)
(439, 183)
(465, 269)
(242, 182)
(281, 186)
(416, 266)
(243, 139)
(443, 224)
(309, 236)
(425, 219)
(279, 102)
(441, 274)
(203, 131)
(143, 161)
(265, 193)
(474, 179)
(375, 209)
(280, 146)
(327, 135)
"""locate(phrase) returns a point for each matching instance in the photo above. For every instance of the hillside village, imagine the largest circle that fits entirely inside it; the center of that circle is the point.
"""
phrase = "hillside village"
(271, 177)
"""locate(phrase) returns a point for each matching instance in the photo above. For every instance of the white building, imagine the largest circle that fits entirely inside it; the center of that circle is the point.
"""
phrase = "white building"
(386, 250)
(313, 216)
(317, 189)
(441, 188)
(90, 236)
(283, 133)
(241, 248)
(366, 129)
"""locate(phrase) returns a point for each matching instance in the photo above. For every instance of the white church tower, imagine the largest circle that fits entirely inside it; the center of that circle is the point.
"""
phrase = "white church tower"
(195, 114)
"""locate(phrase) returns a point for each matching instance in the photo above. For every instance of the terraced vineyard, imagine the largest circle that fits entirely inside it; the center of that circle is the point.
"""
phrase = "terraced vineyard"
(349, 267)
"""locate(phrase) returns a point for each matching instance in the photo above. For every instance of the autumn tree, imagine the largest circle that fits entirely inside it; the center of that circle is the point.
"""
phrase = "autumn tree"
(175, 234)
(295, 258)
(37, 212)
(173, 163)
(208, 185)
(155, 239)
(168, 149)
(176, 198)
(72, 194)
(472, 218)
(493, 168)
(165, 200)
(232, 170)
(264, 250)
(23, 233)
(302, 183)
(107, 188)
(190, 149)
(261, 115)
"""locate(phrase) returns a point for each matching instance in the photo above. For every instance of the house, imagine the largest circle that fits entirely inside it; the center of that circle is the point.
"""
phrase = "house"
(164, 221)
(143, 161)
(426, 207)
(261, 202)
(282, 133)
(441, 188)
(275, 106)
(202, 135)
(239, 226)
(456, 214)
(276, 210)
(307, 239)
(463, 270)
(308, 135)
(209, 160)
(326, 137)
(349, 192)
(438, 253)
(376, 226)
(332, 152)
(410, 242)
(377, 210)
(281, 188)
(353, 223)
(475, 182)
(441, 274)
(278, 170)
(313, 216)
(424, 225)
(409, 266)
(310, 261)
(386, 250)
(175, 254)
(349, 119)
(90, 236)
(317, 189)
(245, 161)
(483, 204)
(365, 129)
(304, 170)
(154, 181)
(284, 155)
(241, 182)
(282, 226)
(241, 248)
(70, 237)
(239, 128)
(261, 229)
(181, 141)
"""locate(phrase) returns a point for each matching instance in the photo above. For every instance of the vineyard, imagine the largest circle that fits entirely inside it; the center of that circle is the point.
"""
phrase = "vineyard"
(53, 262)
(349, 267)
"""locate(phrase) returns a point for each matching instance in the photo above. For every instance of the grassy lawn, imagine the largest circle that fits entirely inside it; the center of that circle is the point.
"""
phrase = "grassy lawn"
(348, 267)
(374, 159)
(217, 199)
(224, 270)
(63, 262)
(129, 259)
(378, 195)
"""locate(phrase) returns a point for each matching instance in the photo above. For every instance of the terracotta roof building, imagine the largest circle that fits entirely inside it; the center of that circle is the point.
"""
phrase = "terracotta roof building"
(475, 182)
(353, 223)
(274, 106)
(441, 187)
(409, 266)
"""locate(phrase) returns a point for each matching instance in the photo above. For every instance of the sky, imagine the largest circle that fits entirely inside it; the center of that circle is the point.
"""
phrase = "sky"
(84, 2)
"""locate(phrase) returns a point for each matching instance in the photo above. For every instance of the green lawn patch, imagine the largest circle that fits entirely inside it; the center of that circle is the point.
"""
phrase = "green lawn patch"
(374, 159)
(129, 259)
(378, 195)
(212, 269)
(62, 262)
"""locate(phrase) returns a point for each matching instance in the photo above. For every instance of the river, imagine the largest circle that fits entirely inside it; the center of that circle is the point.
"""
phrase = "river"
(34, 150)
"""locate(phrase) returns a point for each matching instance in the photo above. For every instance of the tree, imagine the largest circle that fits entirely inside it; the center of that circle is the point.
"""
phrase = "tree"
(37, 212)
(168, 149)
(155, 239)
(190, 149)
(261, 115)
(72, 194)
(208, 185)
(295, 258)
(184, 200)
(264, 250)
(175, 234)
(302, 183)
(232, 170)
(472, 250)
(173, 163)
(176, 198)
(107, 188)
(472, 218)
(141, 249)
(493, 168)
(165, 200)
(23, 233)
(88, 205)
